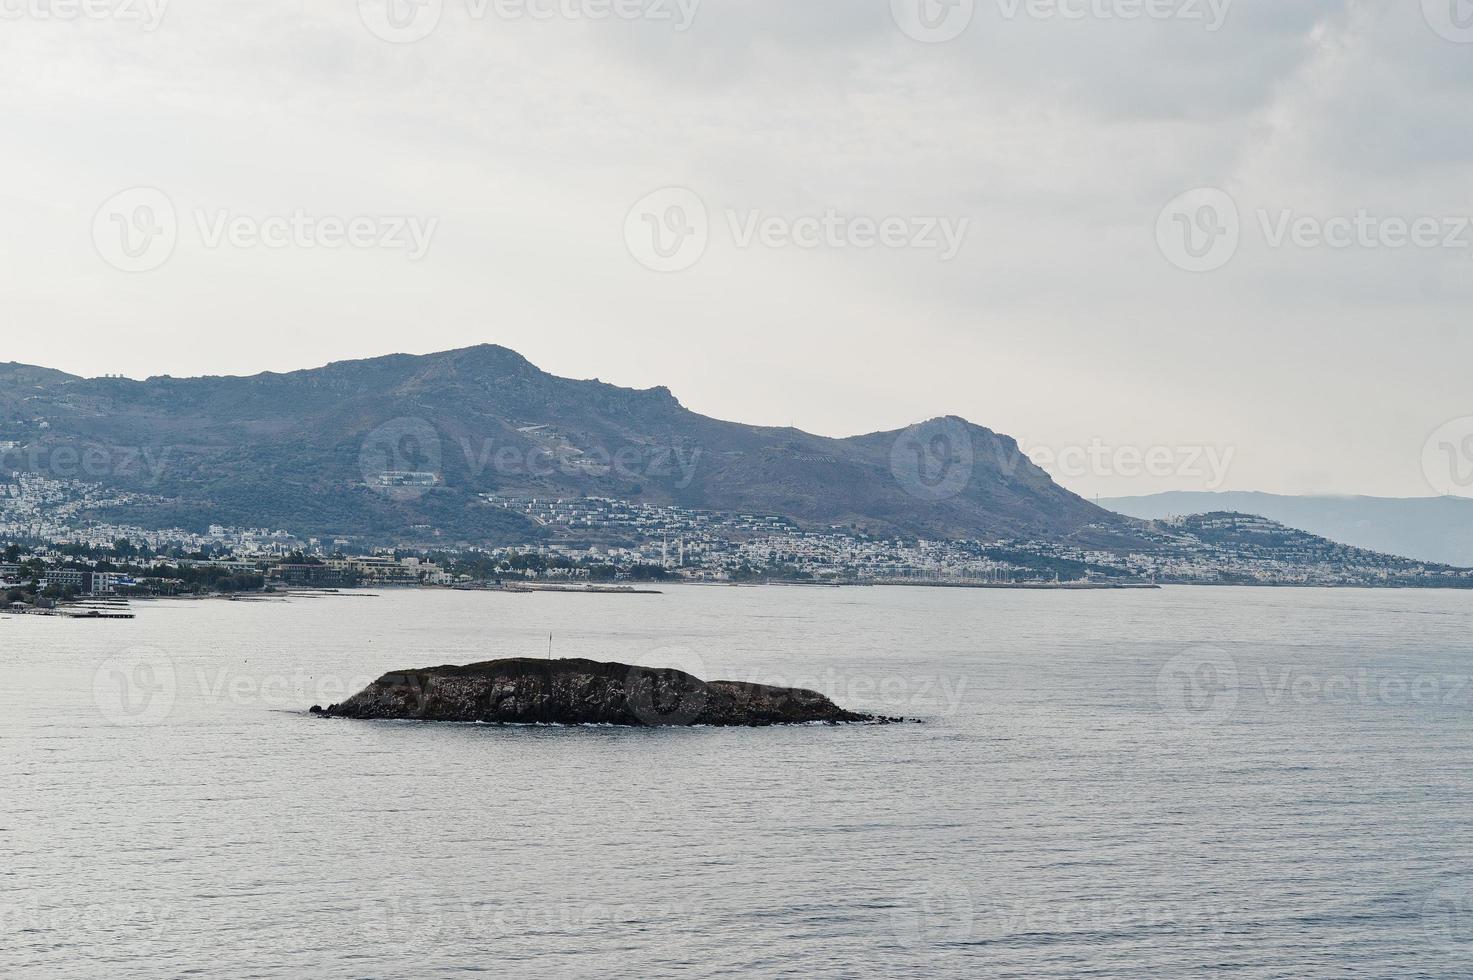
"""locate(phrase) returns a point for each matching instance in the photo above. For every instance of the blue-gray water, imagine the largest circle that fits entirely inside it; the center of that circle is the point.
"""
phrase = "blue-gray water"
(1191, 782)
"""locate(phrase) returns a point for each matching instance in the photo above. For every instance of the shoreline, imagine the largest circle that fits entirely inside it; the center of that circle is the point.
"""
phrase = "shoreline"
(119, 607)
(1023, 586)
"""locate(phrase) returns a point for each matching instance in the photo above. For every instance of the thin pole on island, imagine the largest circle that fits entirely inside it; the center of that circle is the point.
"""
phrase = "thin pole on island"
(549, 646)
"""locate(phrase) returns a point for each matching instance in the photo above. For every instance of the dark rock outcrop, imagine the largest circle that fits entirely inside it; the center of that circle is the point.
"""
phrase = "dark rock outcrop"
(582, 692)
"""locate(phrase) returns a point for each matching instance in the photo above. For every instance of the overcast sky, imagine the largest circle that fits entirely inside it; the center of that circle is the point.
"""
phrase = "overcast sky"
(848, 215)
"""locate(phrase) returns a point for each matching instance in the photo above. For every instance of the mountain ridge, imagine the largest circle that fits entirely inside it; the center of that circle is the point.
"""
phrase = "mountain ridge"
(326, 450)
(1434, 529)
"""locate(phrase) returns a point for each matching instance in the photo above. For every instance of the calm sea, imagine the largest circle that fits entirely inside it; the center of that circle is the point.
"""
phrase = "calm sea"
(1190, 782)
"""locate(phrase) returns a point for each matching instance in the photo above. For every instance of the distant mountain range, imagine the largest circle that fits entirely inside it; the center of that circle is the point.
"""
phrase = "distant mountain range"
(405, 447)
(1435, 529)
(448, 449)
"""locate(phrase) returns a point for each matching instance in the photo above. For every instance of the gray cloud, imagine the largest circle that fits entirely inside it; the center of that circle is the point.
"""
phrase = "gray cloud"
(1060, 141)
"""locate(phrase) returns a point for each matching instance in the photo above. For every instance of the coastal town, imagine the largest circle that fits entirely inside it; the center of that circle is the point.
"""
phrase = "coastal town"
(52, 554)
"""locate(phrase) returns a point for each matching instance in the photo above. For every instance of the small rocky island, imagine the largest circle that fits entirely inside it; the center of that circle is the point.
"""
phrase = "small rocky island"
(583, 692)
